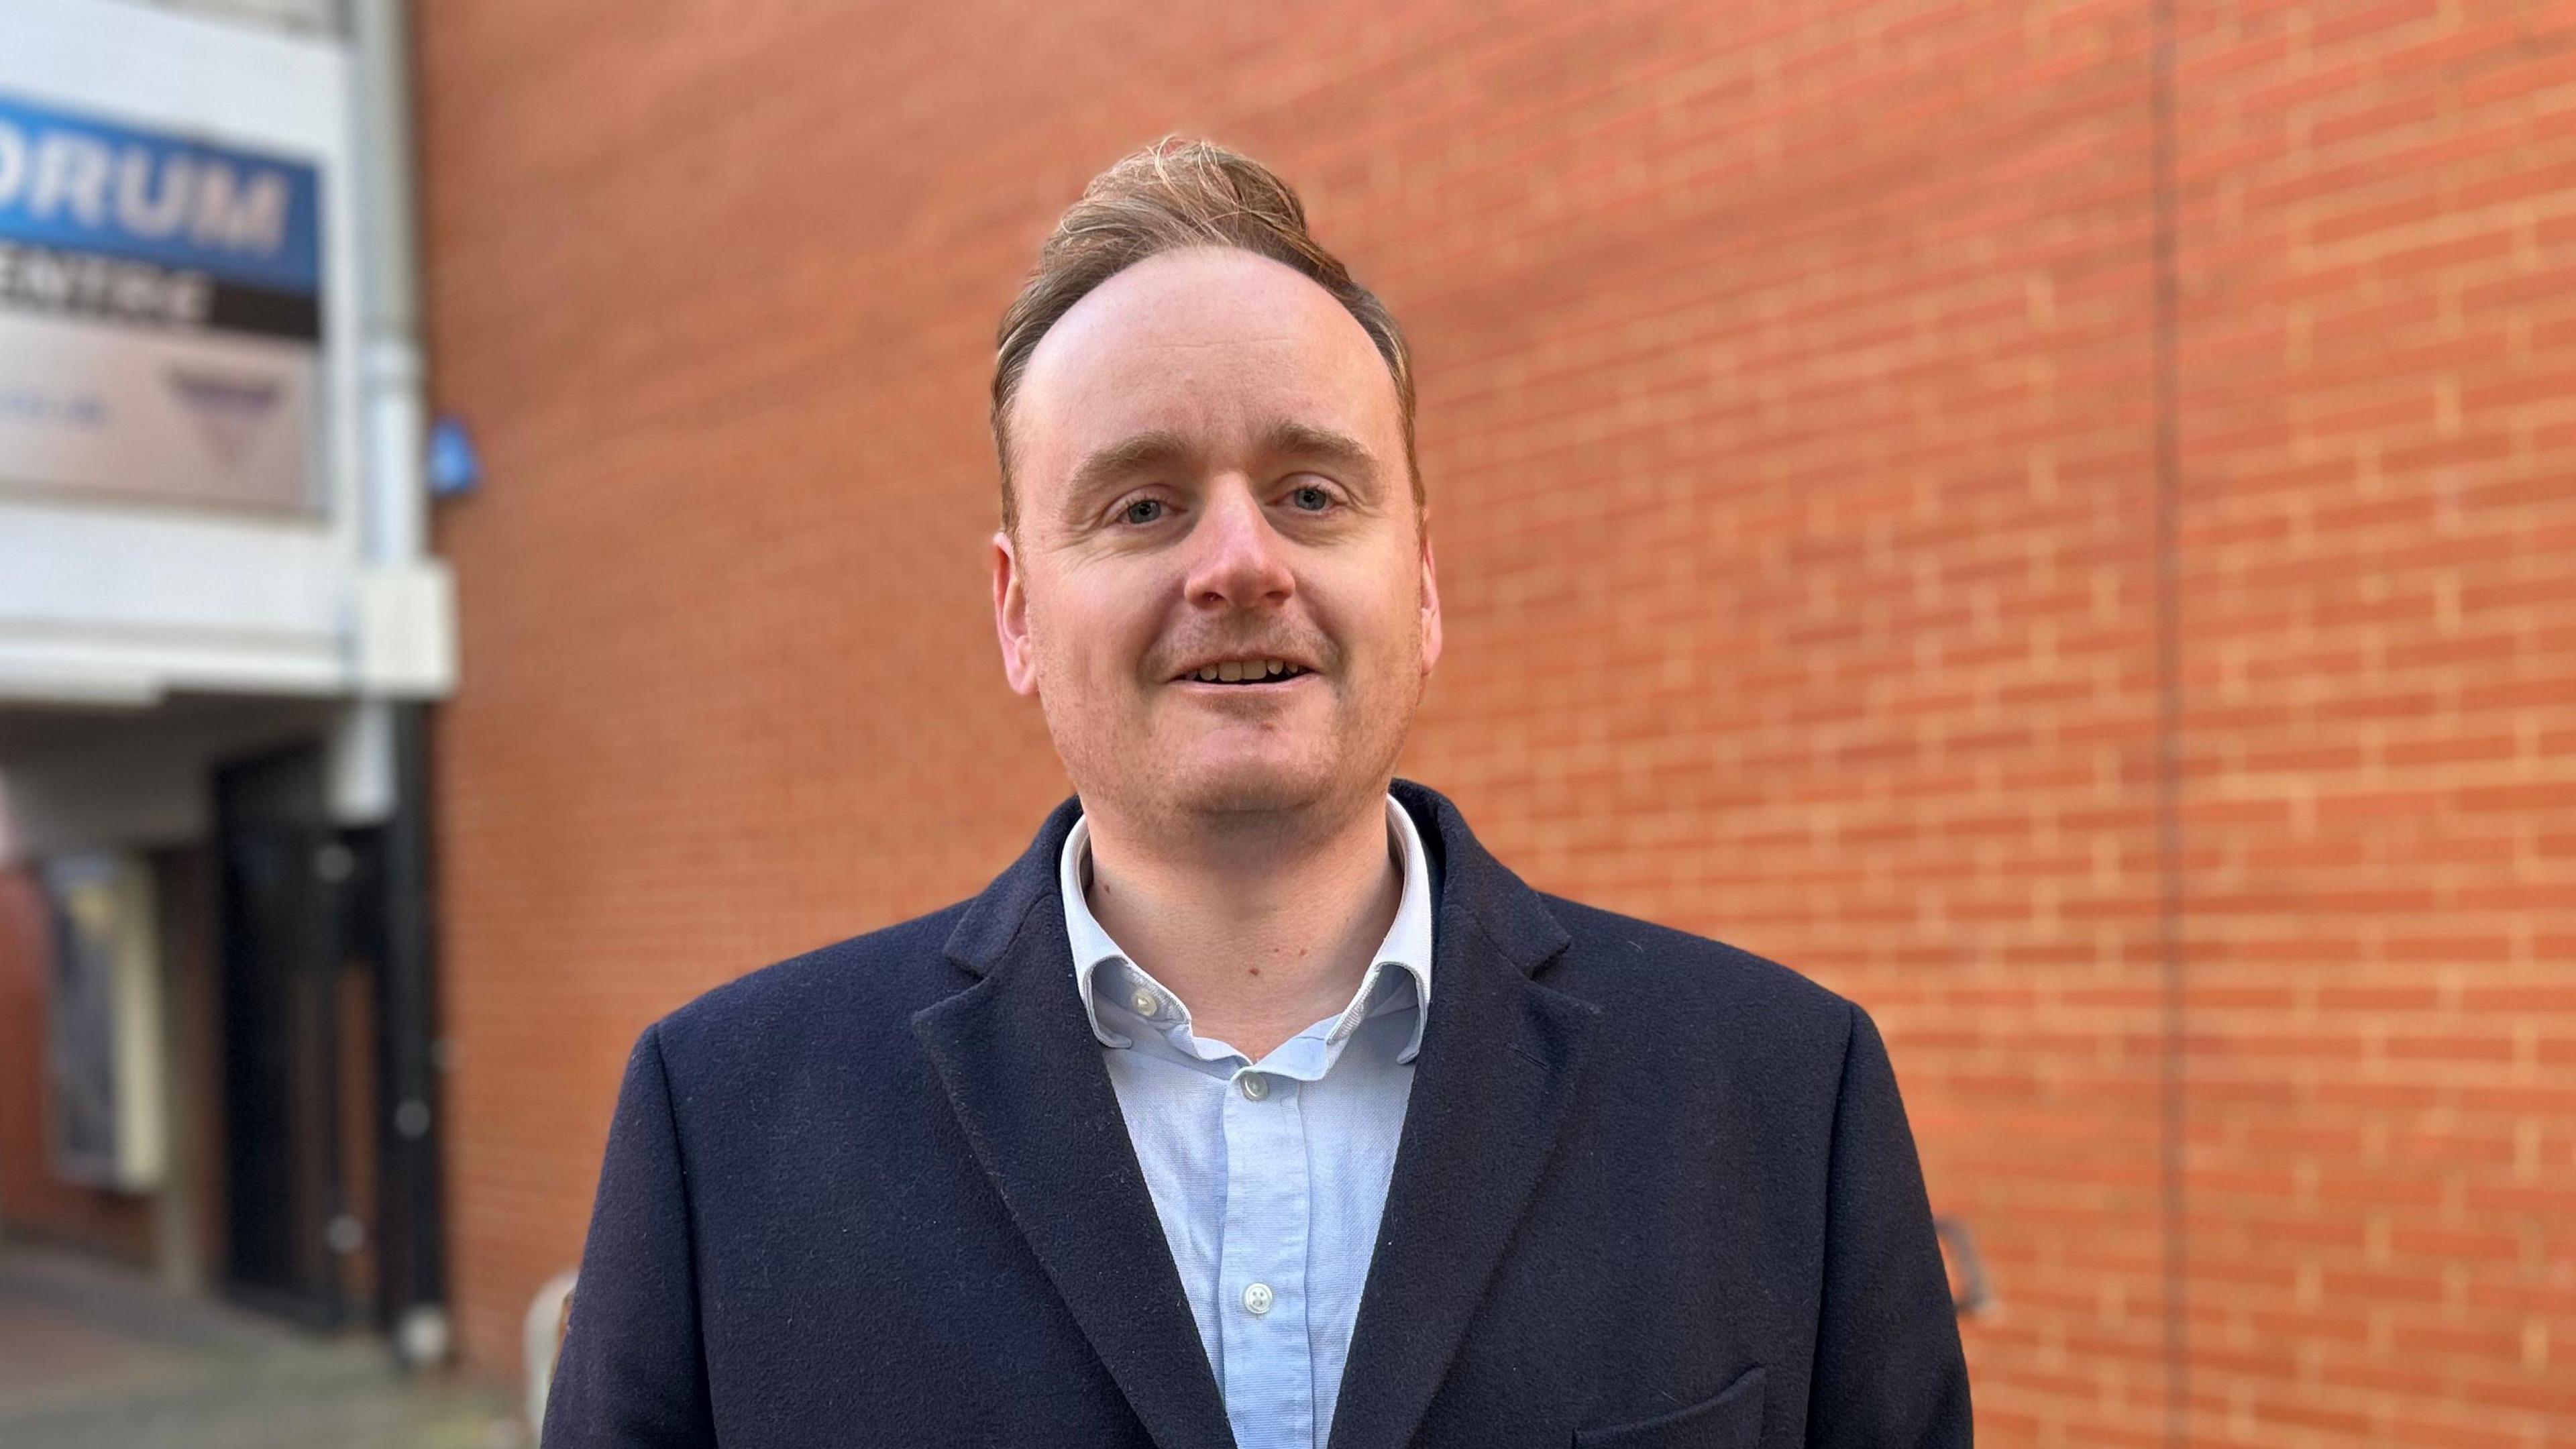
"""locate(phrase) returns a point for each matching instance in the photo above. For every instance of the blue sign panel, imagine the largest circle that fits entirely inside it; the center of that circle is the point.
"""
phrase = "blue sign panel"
(80, 185)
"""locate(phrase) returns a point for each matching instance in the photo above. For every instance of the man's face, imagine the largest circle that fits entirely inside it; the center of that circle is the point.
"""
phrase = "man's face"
(1211, 480)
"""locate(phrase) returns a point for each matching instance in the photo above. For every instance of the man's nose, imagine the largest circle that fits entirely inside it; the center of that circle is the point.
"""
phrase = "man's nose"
(1239, 560)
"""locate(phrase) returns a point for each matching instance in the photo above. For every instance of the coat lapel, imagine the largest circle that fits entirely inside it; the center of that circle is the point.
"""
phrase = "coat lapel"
(1024, 1074)
(1500, 1057)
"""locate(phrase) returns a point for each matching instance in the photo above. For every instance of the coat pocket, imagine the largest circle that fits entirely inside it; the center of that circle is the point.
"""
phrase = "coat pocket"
(1731, 1420)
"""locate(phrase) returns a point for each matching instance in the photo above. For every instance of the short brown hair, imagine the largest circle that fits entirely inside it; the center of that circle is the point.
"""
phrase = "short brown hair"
(1178, 193)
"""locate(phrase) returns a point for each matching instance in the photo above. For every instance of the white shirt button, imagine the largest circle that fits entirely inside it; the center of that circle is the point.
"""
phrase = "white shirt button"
(1146, 1002)
(1256, 1299)
(1255, 1086)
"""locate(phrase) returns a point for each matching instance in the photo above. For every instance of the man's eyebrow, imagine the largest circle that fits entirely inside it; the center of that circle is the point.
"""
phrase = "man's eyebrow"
(1291, 439)
(1107, 466)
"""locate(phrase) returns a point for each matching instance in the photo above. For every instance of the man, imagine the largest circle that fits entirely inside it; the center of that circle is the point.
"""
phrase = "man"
(1256, 1102)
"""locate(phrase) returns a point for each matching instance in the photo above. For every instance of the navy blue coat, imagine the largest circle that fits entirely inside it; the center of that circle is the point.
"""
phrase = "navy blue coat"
(1652, 1192)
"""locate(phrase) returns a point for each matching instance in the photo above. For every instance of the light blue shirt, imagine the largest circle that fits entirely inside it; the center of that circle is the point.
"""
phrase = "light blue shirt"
(1269, 1176)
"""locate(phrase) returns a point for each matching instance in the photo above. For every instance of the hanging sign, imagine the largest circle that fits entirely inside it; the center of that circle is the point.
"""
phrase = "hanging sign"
(160, 315)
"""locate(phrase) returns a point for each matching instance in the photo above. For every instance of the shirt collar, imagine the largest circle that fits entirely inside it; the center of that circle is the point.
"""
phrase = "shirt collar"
(1407, 945)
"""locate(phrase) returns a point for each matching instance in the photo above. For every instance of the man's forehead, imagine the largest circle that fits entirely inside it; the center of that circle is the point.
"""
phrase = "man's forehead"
(1199, 296)
(1209, 342)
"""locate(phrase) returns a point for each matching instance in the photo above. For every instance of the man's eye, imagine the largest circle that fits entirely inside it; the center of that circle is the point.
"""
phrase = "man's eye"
(1143, 510)
(1311, 498)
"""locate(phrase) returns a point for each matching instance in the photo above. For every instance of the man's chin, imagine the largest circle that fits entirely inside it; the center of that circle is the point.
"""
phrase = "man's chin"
(1250, 787)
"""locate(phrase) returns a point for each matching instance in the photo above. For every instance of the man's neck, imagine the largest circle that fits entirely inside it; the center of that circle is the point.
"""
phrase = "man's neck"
(1261, 943)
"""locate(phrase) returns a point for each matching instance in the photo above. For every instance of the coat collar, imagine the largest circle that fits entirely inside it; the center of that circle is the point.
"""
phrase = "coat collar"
(1498, 1065)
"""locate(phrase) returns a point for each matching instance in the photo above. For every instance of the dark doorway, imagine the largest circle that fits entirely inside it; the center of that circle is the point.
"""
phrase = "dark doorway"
(280, 888)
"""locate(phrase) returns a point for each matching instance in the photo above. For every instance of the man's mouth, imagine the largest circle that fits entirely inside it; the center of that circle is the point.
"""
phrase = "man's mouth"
(1242, 671)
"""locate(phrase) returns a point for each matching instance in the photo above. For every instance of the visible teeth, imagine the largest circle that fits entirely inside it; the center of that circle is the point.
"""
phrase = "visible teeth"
(1245, 671)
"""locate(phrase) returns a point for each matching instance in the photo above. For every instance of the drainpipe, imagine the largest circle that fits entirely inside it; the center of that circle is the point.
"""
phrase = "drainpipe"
(392, 413)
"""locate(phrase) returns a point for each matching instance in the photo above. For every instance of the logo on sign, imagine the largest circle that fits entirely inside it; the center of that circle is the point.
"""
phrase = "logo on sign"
(230, 410)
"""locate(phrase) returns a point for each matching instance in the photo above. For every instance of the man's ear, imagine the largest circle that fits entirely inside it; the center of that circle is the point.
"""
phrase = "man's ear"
(1011, 618)
(1430, 600)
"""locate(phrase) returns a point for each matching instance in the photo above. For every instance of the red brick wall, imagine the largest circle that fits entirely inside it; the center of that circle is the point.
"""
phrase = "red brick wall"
(2379, 585)
(1790, 410)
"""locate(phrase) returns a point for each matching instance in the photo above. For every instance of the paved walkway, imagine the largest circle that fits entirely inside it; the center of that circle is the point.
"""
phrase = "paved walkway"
(96, 1357)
